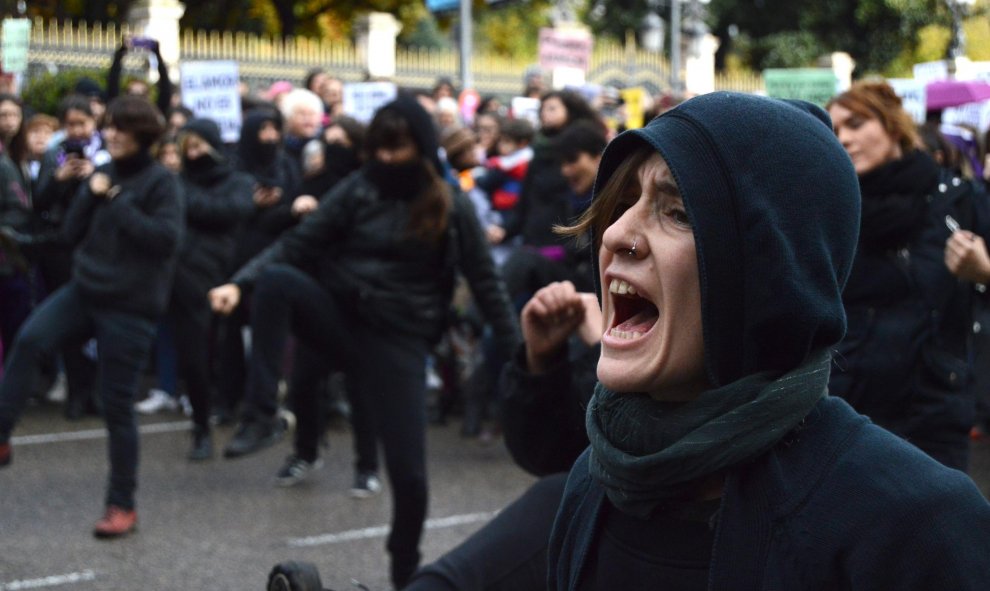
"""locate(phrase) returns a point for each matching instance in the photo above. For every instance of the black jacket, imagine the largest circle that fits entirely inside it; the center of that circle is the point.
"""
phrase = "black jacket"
(904, 360)
(543, 201)
(215, 208)
(127, 248)
(357, 245)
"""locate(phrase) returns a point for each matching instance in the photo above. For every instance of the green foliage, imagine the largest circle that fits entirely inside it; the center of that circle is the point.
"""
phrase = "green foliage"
(613, 18)
(511, 30)
(44, 92)
(790, 49)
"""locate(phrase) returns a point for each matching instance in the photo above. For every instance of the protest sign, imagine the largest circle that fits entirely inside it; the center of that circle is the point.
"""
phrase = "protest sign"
(210, 90)
(565, 48)
(815, 85)
(16, 40)
(931, 71)
(362, 99)
(526, 108)
(913, 95)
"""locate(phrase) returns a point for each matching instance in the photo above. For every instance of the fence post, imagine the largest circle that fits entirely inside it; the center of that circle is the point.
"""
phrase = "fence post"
(376, 33)
(159, 19)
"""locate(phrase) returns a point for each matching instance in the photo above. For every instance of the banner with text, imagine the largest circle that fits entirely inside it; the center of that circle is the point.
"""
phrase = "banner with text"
(362, 99)
(210, 90)
(565, 48)
(914, 96)
(815, 85)
(16, 39)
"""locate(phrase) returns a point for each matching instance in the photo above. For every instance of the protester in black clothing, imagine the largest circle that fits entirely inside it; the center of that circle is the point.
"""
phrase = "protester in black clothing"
(276, 184)
(387, 243)
(546, 387)
(217, 198)
(126, 223)
(15, 279)
(335, 154)
(905, 360)
(138, 87)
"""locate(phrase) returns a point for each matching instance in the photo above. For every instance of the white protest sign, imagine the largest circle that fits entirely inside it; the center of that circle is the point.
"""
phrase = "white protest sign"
(361, 100)
(913, 95)
(980, 71)
(209, 90)
(524, 107)
(16, 39)
(931, 71)
(976, 115)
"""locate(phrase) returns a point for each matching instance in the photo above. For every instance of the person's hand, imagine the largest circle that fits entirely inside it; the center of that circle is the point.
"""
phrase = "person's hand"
(267, 196)
(70, 169)
(224, 299)
(100, 184)
(304, 204)
(548, 319)
(591, 329)
(84, 168)
(967, 258)
(495, 234)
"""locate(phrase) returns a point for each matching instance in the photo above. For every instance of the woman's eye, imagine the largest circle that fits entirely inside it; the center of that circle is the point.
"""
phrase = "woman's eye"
(679, 216)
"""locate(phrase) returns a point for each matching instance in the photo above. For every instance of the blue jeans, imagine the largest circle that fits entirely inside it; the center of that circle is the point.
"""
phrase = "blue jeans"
(124, 342)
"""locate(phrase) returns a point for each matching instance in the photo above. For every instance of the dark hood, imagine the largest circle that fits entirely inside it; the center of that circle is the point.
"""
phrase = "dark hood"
(253, 157)
(774, 203)
(421, 126)
(208, 130)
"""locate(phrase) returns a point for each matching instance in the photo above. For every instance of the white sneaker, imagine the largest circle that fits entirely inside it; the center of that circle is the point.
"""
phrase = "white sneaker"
(366, 485)
(157, 401)
(185, 405)
(59, 390)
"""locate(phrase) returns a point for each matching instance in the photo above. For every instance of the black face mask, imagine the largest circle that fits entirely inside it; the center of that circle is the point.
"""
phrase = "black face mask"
(403, 180)
(265, 152)
(197, 166)
(340, 159)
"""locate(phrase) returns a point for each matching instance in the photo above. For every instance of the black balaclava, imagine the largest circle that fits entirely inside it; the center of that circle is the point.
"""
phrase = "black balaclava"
(421, 126)
(760, 178)
(257, 157)
(208, 166)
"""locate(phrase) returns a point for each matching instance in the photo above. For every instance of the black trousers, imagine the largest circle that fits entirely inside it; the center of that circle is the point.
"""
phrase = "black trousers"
(189, 315)
(507, 554)
(123, 340)
(387, 372)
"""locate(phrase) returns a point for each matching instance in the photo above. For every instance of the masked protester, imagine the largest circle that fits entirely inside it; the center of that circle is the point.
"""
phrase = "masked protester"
(387, 242)
(217, 200)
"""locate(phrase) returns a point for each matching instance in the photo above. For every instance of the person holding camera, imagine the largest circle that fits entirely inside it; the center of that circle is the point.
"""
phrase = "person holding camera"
(138, 87)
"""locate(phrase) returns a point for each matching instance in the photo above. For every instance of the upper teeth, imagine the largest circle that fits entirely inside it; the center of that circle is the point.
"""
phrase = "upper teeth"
(621, 287)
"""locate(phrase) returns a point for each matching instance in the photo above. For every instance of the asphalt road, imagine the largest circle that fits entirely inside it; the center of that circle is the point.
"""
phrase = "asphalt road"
(222, 524)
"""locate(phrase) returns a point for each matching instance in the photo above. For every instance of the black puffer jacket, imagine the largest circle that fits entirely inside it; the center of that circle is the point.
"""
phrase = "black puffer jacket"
(216, 204)
(358, 242)
(15, 210)
(904, 360)
(543, 200)
(127, 248)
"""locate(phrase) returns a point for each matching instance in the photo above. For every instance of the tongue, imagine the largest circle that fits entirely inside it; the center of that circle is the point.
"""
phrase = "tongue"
(641, 322)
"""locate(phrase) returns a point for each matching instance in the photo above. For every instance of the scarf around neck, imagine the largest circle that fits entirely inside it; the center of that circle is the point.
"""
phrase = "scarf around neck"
(645, 452)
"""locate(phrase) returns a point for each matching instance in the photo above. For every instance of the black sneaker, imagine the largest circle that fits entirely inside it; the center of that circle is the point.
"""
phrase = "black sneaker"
(295, 470)
(253, 436)
(202, 447)
(366, 484)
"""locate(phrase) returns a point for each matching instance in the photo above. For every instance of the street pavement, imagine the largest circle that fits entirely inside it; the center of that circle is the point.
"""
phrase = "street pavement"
(222, 524)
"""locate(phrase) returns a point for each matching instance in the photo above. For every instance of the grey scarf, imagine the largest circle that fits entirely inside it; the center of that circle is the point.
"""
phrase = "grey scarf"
(645, 452)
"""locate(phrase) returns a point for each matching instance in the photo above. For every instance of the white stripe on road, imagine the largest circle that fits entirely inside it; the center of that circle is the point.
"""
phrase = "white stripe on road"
(381, 531)
(95, 434)
(52, 581)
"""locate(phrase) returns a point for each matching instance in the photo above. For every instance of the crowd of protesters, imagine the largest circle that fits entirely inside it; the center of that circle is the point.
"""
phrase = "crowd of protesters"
(138, 248)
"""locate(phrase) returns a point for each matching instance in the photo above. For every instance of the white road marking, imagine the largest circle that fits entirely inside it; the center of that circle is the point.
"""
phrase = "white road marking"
(43, 438)
(381, 531)
(51, 581)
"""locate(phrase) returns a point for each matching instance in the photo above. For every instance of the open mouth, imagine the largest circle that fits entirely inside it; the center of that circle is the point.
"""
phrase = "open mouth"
(634, 315)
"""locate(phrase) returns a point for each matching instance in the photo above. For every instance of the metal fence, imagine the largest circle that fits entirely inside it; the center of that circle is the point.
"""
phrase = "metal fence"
(263, 60)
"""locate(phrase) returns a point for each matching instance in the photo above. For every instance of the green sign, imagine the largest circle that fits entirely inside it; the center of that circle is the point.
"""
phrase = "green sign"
(815, 85)
(16, 37)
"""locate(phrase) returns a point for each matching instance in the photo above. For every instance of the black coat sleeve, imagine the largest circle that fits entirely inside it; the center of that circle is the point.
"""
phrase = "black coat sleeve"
(476, 264)
(221, 207)
(543, 414)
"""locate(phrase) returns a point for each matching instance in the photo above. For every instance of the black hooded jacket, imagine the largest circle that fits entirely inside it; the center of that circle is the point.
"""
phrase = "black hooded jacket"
(217, 200)
(358, 241)
(270, 166)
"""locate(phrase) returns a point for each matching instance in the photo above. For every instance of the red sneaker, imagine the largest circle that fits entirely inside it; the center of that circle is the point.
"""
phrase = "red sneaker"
(116, 522)
(5, 454)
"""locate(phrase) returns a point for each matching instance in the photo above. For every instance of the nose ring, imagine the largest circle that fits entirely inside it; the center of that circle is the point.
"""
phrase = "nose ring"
(631, 251)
